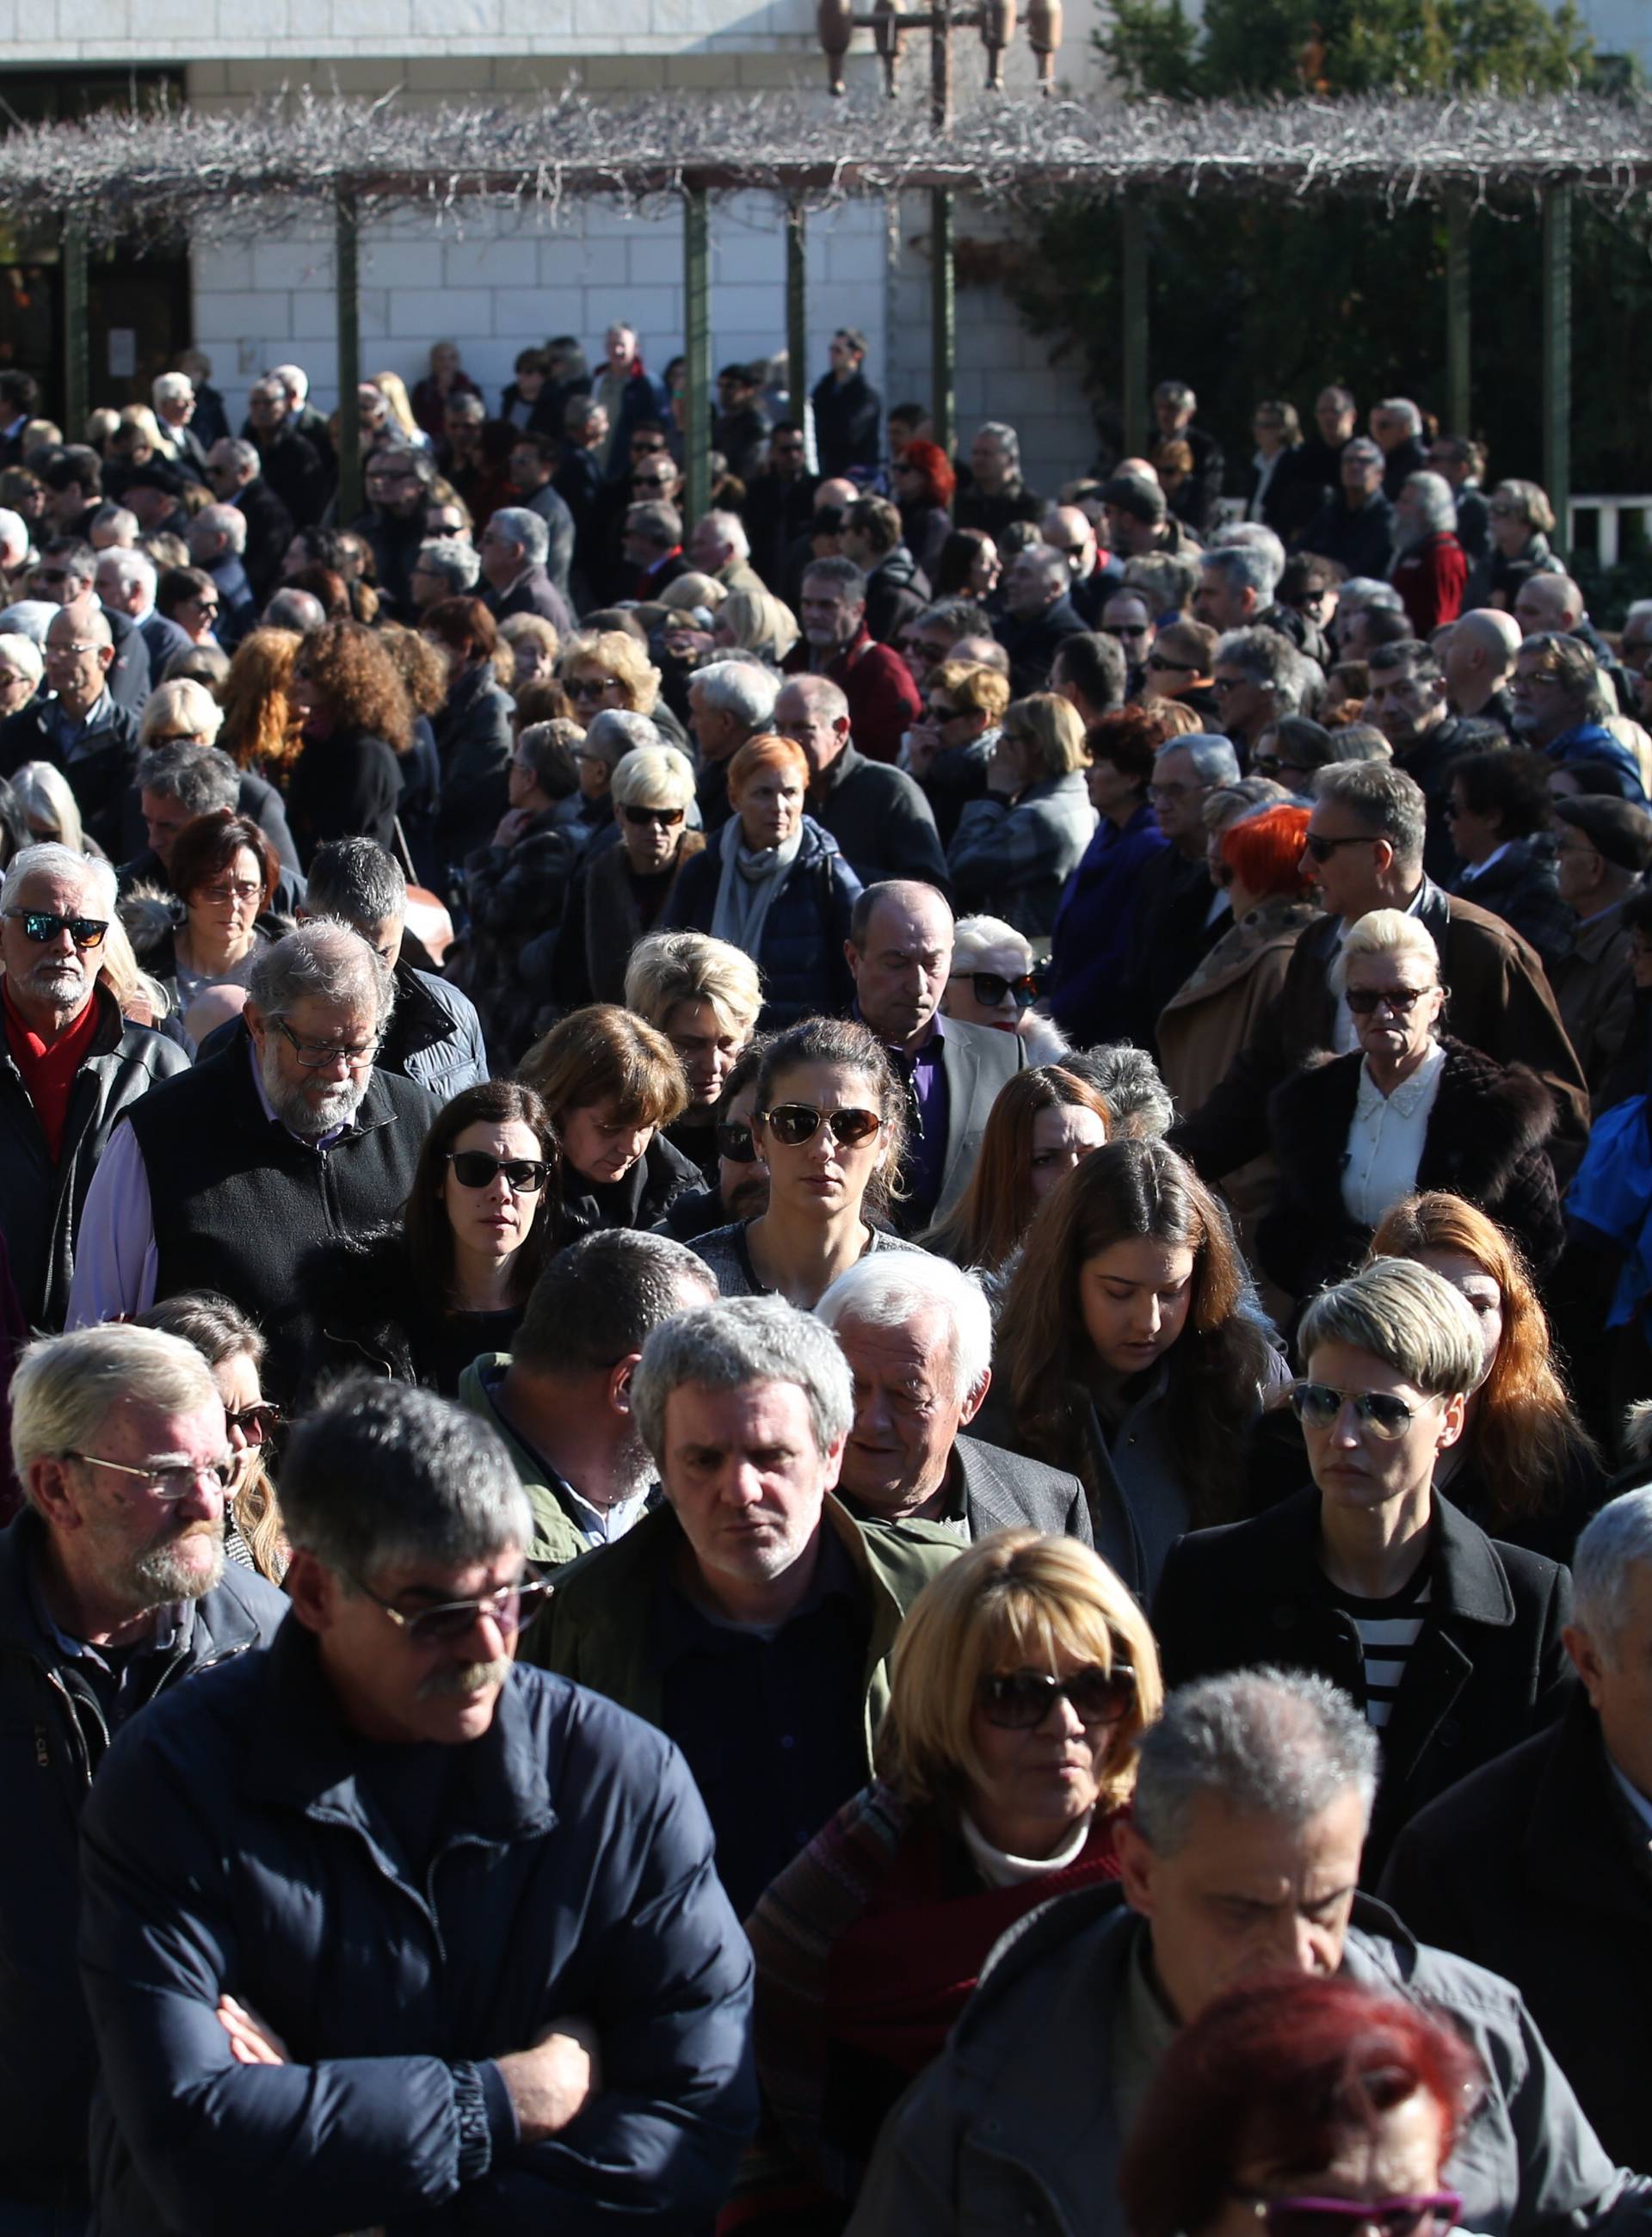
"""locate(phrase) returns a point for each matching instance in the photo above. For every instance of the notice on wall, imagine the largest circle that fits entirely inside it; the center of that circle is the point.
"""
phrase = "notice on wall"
(122, 352)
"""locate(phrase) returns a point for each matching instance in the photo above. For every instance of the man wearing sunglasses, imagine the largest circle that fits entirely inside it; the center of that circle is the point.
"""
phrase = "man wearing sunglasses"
(73, 1066)
(1241, 1858)
(113, 1587)
(751, 1617)
(391, 1928)
(560, 1398)
(231, 1175)
(1365, 838)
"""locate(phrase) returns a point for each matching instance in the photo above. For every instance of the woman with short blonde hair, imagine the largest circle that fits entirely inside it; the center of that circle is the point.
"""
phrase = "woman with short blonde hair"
(50, 808)
(1014, 849)
(1022, 1680)
(604, 668)
(619, 892)
(180, 711)
(755, 621)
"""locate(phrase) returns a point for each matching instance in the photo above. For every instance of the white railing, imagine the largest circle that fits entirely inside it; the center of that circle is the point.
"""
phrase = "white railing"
(1608, 516)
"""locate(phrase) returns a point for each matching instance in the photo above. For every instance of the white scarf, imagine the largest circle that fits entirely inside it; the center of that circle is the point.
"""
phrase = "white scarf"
(750, 885)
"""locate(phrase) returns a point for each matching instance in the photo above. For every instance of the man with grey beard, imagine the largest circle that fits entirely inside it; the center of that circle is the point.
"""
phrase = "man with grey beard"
(236, 1175)
(112, 1586)
(381, 1930)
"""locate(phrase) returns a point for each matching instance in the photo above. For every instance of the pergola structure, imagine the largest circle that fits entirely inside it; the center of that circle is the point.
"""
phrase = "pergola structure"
(241, 174)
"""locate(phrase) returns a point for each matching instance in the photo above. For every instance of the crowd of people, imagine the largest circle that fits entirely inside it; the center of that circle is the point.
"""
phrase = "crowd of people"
(827, 1333)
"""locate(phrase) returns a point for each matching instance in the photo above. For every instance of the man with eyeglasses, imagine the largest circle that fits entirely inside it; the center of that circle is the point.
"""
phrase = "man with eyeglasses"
(75, 723)
(769, 1612)
(560, 1398)
(514, 548)
(880, 816)
(396, 482)
(72, 1064)
(1241, 1858)
(229, 1176)
(1561, 704)
(394, 1929)
(114, 1589)
(65, 574)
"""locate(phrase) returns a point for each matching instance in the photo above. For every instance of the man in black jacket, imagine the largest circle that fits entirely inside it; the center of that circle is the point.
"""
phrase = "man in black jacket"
(113, 1587)
(1407, 701)
(880, 816)
(1037, 587)
(849, 412)
(1178, 914)
(77, 726)
(1536, 1866)
(230, 1176)
(71, 1064)
(917, 1333)
(233, 469)
(66, 573)
(897, 590)
(289, 461)
(1356, 527)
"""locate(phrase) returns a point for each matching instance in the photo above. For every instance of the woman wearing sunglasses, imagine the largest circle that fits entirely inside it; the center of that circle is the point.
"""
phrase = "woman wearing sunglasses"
(610, 1084)
(831, 1126)
(619, 892)
(1042, 1124)
(234, 1349)
(991, 983)
(1022, 1681)
(420, 1301)
(1302, 2107)
(1450, 1641)
(1409, 1109)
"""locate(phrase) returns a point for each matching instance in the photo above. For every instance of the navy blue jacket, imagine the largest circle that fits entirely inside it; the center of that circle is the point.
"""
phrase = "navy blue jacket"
(804, 973)
(1086, 985)
(229, 1849)
(53, 1736)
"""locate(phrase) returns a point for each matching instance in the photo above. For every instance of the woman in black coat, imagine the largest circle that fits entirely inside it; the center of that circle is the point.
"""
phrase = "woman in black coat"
(1409, 1110)
(355, 718)
(474, 734)
(610, 1084)
(1450, 1641)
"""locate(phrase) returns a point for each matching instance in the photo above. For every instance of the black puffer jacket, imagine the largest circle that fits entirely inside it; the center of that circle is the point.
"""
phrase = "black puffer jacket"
(370, 1315)
(639, 1199)
(516, 894)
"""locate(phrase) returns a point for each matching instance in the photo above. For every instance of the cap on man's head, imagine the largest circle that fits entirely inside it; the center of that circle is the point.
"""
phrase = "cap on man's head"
(1134, 494)
(155, 473)
(1618, 831)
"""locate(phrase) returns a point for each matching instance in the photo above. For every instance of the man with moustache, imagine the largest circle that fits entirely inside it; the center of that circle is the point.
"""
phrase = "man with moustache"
(379, 1928)
(113, 1585)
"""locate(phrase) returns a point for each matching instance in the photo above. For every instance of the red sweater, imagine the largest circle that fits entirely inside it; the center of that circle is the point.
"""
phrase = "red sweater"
(1431, 578)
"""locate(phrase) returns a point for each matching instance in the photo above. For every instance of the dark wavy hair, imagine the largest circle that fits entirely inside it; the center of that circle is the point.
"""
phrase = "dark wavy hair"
(425, 1225)
(357, 681)
(1130, 1192)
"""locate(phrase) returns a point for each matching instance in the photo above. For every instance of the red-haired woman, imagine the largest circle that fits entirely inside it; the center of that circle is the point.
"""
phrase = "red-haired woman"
(474, 733)
(1289, 2103)
(1257, 857)
(924, 487)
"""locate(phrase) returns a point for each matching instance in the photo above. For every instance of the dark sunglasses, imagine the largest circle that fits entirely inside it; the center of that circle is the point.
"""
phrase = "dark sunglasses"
(1318, 1406)
(1128, 628)
(1366, 1001)
(475, 1169)
(258, 1424)
(735, 1143)
(1177, 667)
(663, 819)
(1020, 1701)
(1334, 2217)
(510, 1608)
(991, 987)
(586, 687)
(42, 925)
(796, 1123)
(1322, 849)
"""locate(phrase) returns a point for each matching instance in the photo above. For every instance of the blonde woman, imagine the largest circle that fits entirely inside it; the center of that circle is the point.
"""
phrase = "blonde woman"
(619, 892)
(1022, 1681)
(704, 996)
(50, 808)
(755, 621)
(1015, 847)
(182, 713)
(604, 671)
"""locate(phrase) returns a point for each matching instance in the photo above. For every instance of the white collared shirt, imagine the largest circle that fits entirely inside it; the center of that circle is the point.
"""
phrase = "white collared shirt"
(1385, 1139)
(1471, 871)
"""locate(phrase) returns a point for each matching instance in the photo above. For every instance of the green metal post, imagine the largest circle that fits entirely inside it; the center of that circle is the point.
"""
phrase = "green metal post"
(943, 321)
(1134, 325)
(796, 312)
(697, 343)
(1458, 382)
(347, 284)
(78, 340)
(1557, 357)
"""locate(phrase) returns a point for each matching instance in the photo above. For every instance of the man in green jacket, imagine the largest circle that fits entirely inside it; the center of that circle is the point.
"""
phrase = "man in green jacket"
(752, 1619)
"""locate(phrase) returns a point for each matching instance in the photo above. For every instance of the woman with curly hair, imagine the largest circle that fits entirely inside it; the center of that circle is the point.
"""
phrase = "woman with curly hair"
(262, 726)
(1125, 1356)
(1525, 1468)
(355, 719)
(1043, 1121)
(925, 485)
(604, 670)
(474, 733)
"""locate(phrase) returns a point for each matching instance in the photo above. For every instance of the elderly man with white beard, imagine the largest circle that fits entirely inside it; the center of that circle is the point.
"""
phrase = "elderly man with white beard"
(230, 1178)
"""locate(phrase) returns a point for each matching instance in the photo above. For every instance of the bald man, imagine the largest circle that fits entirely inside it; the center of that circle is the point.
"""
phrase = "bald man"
(1478, 660)
(1095, 574)
(75, 725)
(1555, 602)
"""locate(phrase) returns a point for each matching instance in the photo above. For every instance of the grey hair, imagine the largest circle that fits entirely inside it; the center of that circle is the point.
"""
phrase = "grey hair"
(49, 860)
(1250, 536)
(617, 732)
(1385, 931)
(43, 792)
(658, 520)
(1244, 567)
(820, 695)
(170, 387)
(1405, 1314)
(14, 529)
(1212, 756)
(23, 654)
(324, 959)
(1618, 1536)
(125, 523)
(239, 452)
(842, 574)
(526, 528)
(301, 611)
(1235, 803)
(731, 531)
(653, 776)
(465, 406)
(1130, 1085)
(293, 378)
(1270, 661)
(357, 882)
(1268, 1742)
(458, 565)
(65, 1385)
(973, 935)
(129, 568)
(383, 1473)
(741, 1340)
(736, 687)
(1434, 491)
(889, 1288)
(226, 520)
(1403, 408)
(200, 778)
(1388, 802)
(1177, 393)
(1005, 435)
(1363, 593)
